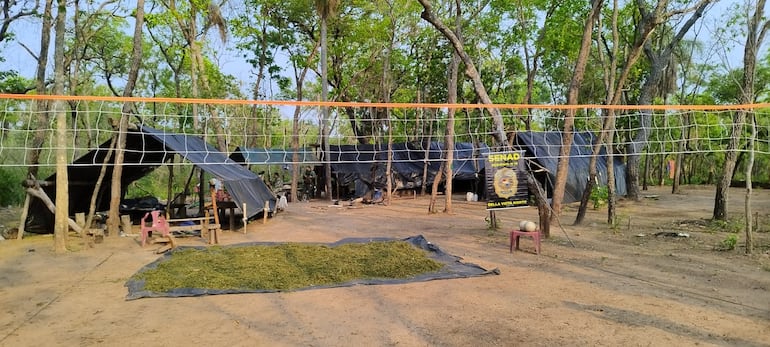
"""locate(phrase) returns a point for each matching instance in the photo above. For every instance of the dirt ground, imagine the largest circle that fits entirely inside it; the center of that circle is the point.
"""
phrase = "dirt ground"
(620, 286)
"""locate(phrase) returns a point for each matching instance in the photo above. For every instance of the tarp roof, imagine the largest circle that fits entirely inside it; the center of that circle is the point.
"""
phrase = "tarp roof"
(146, 149)
(366, 163)
(356, 162)
(408, 159)
(258, 156)
(544, 147)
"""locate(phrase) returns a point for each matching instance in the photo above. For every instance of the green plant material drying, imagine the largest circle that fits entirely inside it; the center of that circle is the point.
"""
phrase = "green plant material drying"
(286, 266)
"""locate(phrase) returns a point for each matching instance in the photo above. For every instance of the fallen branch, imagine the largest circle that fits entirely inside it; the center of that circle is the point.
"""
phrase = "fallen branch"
(40, 194)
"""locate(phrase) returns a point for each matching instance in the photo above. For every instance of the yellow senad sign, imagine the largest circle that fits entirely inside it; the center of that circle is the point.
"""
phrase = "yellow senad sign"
(504, 159)
(507, 157)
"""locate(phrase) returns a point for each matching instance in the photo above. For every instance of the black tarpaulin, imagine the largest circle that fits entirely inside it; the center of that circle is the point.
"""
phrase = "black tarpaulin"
(453, 267)
(146, 149)
(257, 156)
(243, 185)
(545, 146)
(365, 164)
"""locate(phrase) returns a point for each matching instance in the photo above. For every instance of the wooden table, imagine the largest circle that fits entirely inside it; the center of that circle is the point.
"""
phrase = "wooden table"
(222, 207)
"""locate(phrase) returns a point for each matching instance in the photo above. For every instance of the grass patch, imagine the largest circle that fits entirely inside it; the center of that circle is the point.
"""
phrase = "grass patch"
(733, 225)
(286, 266)
(728, 244)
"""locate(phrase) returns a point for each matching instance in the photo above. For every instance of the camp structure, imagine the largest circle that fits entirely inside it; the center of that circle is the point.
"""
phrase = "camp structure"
(359, 168)
(147, 149)
(543, 148)
(413, 165)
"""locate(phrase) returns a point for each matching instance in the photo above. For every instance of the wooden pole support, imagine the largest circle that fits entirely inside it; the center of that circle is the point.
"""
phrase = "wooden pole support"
(244, 218)
(265, 210)
(125, 223)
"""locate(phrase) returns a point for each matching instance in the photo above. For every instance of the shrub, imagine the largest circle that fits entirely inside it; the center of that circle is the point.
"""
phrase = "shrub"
(10, 179)
(728, 243)
(599, 196)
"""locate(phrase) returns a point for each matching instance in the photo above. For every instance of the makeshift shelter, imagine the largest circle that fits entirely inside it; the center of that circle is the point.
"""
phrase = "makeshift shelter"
(147, 149)
(468, 160)
(544, 146)
(365, 165)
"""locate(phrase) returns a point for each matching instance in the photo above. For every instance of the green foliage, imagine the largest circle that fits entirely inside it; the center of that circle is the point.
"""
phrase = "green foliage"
(10, 179)
(728, 243)
(12, 83)
(734, 225)
(599, 196)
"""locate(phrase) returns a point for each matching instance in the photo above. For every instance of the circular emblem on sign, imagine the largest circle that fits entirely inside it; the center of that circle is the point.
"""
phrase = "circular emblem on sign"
(505, 183)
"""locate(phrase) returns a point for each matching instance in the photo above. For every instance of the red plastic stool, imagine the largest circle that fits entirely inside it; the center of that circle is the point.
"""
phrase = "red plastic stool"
(516, 234)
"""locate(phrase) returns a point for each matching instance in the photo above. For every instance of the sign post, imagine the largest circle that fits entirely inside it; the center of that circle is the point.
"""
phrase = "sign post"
(506, 182)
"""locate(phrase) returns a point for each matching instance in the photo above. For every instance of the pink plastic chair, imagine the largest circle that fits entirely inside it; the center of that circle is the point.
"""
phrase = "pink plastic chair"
(516, 234)
(159, 224)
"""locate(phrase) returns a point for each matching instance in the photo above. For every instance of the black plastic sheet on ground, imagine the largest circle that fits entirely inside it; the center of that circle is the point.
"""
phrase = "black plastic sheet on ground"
(453, 268)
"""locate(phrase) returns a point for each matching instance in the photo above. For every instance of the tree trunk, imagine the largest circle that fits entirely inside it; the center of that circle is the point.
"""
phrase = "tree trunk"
(659, 63)
(610, 86)
(532, 61)
(747, 208)
(389, 164)
(452, 85)
(61, 216)
(572, 99)
(170, 186)
(426, 155)
(299, 79)
(647, 160)
(261, 65)
(42, 106)
(593, 174)
(194, 77)
(386, 90)
(757, 28)
(434, 189)
(98, 185)
(295, 166)
(678, 172)
(116, 191)
(470, 71)
(611, 189)
(544, 211)
(590, 184)
(662, 169)
(325, 131)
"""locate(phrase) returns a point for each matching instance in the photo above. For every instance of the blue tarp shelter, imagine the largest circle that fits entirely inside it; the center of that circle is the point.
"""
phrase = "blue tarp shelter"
(147, 149)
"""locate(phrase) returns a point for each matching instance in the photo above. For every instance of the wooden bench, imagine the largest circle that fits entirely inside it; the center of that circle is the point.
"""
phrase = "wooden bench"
(202, 224)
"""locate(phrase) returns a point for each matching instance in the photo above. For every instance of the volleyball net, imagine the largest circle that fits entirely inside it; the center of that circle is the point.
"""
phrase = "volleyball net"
(701, 133)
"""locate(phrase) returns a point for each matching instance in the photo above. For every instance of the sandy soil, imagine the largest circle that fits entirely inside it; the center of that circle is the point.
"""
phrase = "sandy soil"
(619, 286)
